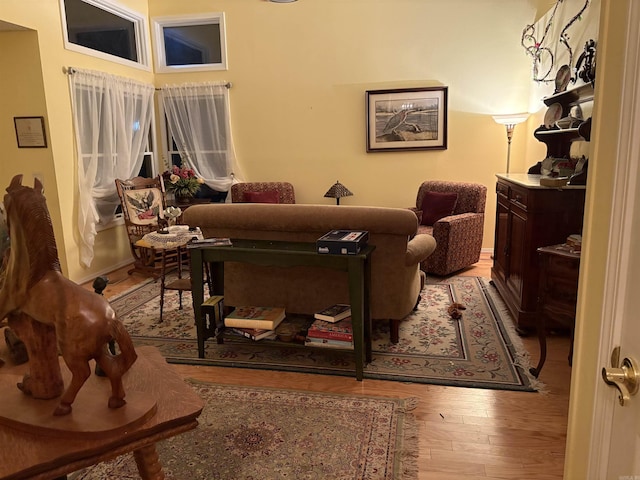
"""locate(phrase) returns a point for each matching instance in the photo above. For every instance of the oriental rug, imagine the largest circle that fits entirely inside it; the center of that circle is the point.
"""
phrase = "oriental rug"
(261, 433)
(480, 349)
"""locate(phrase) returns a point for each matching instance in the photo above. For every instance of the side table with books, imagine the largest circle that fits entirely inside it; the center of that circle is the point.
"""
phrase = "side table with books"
(558, 292)
(284, 254)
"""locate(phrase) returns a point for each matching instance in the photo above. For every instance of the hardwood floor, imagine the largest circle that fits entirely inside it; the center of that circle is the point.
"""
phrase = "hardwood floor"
(465, 433)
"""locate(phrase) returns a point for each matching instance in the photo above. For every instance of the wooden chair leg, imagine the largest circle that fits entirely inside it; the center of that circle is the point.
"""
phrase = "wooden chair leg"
(394, 327)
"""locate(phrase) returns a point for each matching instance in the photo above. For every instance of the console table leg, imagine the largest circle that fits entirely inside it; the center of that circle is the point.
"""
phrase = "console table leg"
(149, 466)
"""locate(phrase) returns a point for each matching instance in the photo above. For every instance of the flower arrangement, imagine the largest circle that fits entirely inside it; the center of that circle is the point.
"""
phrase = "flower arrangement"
(182, 181)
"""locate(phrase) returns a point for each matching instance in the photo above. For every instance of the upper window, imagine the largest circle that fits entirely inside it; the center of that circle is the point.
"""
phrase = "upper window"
(191, 43)
(104, 29)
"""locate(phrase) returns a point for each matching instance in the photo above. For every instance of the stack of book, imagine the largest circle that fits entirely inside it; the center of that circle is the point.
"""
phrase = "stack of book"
(255, 323)
(330, 334)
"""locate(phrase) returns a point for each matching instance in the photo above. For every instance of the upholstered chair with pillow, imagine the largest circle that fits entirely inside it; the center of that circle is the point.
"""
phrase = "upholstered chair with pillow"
(262, 192)
(453, 212)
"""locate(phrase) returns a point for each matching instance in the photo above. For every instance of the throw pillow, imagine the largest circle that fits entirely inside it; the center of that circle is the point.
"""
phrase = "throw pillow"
(437, 205)
(268, 196)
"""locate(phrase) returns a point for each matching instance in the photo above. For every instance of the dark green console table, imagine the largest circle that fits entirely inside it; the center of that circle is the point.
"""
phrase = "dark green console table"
(286, 254)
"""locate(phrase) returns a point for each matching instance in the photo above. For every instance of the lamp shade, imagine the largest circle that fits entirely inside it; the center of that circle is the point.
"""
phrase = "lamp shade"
(511, 119)
(338, 191)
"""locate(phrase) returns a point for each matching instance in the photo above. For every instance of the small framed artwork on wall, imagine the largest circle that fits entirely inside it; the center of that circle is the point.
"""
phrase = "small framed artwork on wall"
(30, 132)
(406, 119)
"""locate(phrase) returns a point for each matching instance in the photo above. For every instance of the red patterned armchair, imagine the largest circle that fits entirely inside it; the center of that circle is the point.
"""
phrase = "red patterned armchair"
(453, 213)
(262, 192)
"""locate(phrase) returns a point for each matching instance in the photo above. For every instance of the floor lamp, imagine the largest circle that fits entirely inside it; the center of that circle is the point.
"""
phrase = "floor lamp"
(510, 121)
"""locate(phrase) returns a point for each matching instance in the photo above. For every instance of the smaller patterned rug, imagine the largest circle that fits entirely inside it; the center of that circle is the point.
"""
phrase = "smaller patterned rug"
(249, 433)
(480, 349)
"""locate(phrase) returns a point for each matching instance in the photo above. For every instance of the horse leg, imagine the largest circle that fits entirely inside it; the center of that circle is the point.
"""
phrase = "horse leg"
(80, 371)
(44, 379)
(114, 374)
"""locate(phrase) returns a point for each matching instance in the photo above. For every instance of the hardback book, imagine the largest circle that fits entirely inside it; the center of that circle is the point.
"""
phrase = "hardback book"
(254, 333)
(341, 330)
(264, 318)
(328, 343)
(334, 313)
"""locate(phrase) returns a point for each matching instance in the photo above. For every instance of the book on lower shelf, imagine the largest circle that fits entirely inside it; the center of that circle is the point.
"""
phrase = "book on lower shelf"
(264, 318)
(328, 343)
(254, 333)
(342, 330)
(334, 313)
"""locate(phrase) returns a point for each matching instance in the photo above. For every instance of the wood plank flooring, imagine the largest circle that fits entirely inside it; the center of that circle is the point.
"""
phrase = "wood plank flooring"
(465, 433)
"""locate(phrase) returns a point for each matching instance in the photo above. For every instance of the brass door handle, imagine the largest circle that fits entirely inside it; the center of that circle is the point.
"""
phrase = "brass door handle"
(625, 377)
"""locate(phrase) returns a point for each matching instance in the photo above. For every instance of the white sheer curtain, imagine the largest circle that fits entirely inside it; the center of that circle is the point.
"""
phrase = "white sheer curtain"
(112, 116)
(198, 116)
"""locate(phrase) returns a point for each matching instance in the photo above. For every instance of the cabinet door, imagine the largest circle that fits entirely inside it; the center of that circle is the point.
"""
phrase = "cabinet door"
(500, 250)
(517, 254)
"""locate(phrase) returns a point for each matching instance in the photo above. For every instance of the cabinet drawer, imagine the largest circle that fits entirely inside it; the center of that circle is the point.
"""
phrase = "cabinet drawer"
(519, 197)
(502, 190)
(566, 268)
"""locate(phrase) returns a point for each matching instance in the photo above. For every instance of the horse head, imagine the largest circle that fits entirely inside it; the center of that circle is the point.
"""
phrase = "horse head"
(30, 228)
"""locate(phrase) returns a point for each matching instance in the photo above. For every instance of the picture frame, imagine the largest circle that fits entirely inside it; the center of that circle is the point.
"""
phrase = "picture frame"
(407, 119)
(30, 132)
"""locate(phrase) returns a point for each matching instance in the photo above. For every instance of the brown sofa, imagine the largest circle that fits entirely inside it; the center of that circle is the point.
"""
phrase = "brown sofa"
(396, 279)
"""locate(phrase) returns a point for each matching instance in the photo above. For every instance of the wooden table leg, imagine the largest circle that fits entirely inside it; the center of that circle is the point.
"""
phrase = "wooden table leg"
(148, 463)
(542, 339)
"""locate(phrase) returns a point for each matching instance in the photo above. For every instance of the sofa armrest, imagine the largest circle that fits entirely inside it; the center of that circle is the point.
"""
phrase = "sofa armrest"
(419, 248)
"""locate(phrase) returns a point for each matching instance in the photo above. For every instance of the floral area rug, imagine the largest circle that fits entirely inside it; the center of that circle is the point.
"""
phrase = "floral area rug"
(480, 349)
(260, 433)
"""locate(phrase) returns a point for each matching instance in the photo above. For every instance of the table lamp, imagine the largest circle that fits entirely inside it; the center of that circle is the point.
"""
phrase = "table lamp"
(338, 191)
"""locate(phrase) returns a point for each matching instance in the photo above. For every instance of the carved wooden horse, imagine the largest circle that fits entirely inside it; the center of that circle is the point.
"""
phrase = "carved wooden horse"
(34, 287)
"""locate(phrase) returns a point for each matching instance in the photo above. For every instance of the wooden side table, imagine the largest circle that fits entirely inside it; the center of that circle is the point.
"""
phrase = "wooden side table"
(558, 292)
(92, 433)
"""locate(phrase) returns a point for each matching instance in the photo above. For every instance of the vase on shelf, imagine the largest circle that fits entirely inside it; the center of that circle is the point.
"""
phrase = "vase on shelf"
(184, 199)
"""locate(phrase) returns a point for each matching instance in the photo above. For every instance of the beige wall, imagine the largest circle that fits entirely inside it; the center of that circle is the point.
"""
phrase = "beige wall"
(299, 73)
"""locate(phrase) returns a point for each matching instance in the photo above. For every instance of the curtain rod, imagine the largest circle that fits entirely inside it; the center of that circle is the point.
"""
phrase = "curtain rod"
(72, 70)
(228, 85)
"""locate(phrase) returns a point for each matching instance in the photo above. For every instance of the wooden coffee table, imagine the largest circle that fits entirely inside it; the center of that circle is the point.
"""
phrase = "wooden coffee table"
(159, 405)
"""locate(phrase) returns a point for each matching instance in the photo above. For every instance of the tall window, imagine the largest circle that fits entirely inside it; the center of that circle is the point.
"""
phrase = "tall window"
(199, 131)
(104, 29)
(112, 122)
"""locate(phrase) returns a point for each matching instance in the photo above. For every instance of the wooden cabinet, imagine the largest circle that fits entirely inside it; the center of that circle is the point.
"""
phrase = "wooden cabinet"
(529, 216)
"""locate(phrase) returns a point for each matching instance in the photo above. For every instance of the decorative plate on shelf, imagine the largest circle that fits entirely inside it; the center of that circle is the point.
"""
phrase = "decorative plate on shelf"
(562, 78)
(554, 113)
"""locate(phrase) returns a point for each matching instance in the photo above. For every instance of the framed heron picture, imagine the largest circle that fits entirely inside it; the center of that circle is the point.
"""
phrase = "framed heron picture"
(406, 119)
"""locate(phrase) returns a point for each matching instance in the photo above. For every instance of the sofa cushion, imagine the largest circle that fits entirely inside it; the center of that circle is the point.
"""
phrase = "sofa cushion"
(268, 196)
(437, 205)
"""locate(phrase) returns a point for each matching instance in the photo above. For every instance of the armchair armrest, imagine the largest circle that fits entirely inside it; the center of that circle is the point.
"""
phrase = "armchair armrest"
(459, 242)
(419, 248)
(458, 224)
